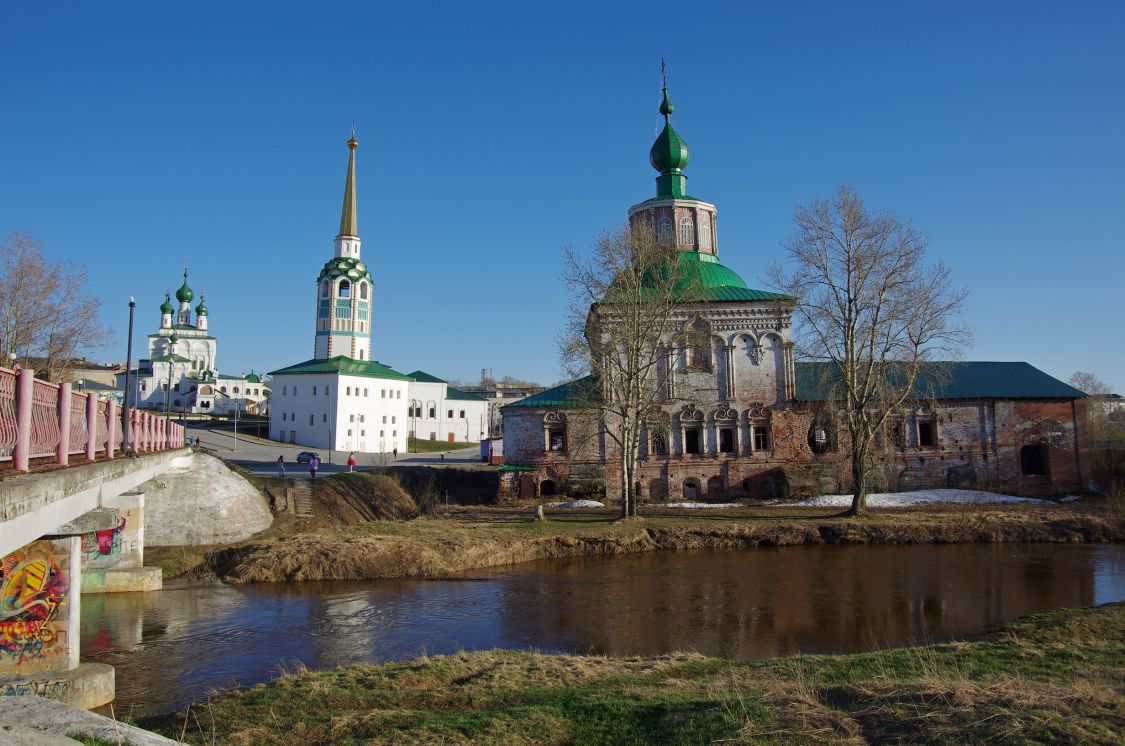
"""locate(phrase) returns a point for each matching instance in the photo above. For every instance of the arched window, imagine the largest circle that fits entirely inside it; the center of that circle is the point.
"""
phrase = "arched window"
(687, 230)
(664, 230)
(363, 290)
(704, 233)
(324, 289)
(345, 289)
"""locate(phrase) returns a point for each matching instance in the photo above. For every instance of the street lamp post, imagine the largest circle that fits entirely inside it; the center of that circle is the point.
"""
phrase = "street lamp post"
(125, 418)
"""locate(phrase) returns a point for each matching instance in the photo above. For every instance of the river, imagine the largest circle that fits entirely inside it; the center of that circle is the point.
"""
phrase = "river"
(174, 646)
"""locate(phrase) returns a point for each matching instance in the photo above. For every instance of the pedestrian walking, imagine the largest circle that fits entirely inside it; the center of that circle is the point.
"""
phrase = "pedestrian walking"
(443, 458)
(396, 452)
(314, 464)
(281, 465)
(351, 461)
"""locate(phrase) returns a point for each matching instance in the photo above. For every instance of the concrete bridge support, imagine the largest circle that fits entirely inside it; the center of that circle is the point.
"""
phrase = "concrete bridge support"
(40, 585)
(113, 558)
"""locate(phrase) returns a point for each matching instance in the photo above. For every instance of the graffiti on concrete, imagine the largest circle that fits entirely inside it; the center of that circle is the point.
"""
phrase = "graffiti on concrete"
(55, 689)
(103, 543)
(32, 587)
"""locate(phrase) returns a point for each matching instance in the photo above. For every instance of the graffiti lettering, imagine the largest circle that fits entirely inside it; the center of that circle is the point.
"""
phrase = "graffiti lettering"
(31, 590)
(53, 689)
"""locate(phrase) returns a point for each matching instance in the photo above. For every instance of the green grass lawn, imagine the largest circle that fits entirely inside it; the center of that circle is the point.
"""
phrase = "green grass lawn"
(1053, 677)
(417, 445)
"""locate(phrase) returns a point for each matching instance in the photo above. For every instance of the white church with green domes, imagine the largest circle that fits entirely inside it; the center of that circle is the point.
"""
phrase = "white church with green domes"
(343, 399)
(181, 373)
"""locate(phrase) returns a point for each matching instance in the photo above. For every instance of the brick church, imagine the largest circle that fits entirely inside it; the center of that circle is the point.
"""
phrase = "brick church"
(742, 418)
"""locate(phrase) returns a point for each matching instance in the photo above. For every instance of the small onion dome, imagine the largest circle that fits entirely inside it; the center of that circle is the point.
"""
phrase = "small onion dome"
(201, 309)
(669, 152)
(174, 338)
(166, 306)
(344, 266)
(253, 378)
(184, 294)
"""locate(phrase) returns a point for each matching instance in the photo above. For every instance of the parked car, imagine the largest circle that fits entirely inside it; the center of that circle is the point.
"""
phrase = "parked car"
(304, 456)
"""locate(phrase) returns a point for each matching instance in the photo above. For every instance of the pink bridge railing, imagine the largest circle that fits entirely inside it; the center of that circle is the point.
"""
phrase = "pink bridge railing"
(40, 419)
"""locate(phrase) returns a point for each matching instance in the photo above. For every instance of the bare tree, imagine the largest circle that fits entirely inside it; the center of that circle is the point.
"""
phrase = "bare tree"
(1090, 384)
(627, 305)
(45, 311)
(871, 307)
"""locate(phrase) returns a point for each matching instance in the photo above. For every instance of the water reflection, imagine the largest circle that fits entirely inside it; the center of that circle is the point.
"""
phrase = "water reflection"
(174, 646)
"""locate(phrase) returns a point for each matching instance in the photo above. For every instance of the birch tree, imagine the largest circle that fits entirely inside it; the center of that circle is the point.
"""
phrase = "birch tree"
(46, 314)
(627, 304)
(873, 307)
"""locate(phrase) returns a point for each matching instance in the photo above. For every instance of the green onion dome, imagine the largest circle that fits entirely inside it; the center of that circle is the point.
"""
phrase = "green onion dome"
(253, 378)
(669, 153)
(700, 277)
(166, 306)
(344, 266)
(174, 338)
(201, 309)
(184, 294)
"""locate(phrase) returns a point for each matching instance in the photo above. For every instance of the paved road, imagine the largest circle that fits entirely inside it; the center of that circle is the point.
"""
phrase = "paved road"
(260, 457)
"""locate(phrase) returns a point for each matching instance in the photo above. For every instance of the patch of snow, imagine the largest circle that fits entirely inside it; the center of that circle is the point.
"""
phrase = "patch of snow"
(1070, 498)
(919, 497)
(699, 506)
(577, 504)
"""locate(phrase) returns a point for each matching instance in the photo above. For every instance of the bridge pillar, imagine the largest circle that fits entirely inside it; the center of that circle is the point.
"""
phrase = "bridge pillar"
(113, 559)
(40, 585)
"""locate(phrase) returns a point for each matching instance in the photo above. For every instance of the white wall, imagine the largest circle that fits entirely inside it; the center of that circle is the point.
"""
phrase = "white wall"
(353, 413)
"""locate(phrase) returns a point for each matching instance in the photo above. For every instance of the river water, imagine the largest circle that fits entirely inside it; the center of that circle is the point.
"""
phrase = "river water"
(174, 646)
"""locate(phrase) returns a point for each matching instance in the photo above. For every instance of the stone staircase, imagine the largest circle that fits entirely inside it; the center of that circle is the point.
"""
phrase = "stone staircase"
(299, 497)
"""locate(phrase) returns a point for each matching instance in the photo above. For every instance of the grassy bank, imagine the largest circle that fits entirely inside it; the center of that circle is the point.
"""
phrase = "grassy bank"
(1054, 677)
(346, 541)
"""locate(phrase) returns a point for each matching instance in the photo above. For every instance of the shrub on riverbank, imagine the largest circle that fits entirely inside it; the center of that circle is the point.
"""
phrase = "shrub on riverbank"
(1052, 677)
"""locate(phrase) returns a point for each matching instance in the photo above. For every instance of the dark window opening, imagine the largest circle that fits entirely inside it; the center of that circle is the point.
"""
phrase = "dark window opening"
(726, 440)
(691, 441)
(715, 487)
(691, 490)
(556, 441)
(433, 413)
(761, 438)
(898, 435)
(927, 435)
(659, 444)
(1033, 460)
(657, 490)
(818, 439)
(547, 488)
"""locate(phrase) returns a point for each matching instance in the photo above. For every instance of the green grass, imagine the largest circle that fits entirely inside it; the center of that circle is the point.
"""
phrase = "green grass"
(417, 445)
(1054, 677)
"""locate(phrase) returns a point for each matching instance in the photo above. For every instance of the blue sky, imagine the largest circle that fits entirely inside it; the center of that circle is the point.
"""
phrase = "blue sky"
(493, 135)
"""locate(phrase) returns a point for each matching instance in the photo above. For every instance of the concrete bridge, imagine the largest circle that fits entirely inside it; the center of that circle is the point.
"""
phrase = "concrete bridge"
(71, 521)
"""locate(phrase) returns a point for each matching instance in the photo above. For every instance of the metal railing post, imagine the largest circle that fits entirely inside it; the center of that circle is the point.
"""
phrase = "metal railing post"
(25, 389)
(91, 426)
(111, 418)
(62, 453)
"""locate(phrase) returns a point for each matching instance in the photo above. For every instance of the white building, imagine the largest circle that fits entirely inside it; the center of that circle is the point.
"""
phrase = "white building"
(180, 373)
(344, 400)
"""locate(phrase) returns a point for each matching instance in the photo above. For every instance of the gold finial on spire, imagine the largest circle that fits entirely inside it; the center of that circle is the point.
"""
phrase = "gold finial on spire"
(348, 213)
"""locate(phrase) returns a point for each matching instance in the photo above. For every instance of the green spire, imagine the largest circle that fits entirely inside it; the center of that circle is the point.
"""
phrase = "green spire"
(201, 309)
(166, 306)
(347, 215)
(669, 155)
(184, 294)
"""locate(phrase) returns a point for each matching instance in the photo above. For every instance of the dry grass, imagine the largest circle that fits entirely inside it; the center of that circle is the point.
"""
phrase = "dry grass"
(1050, 678)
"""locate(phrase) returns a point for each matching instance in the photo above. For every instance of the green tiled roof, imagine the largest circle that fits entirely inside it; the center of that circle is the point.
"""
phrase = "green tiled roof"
(452, 393)
(422, 376)
(953, 380)
(345, 366)
(573, 394)
(702, 278)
